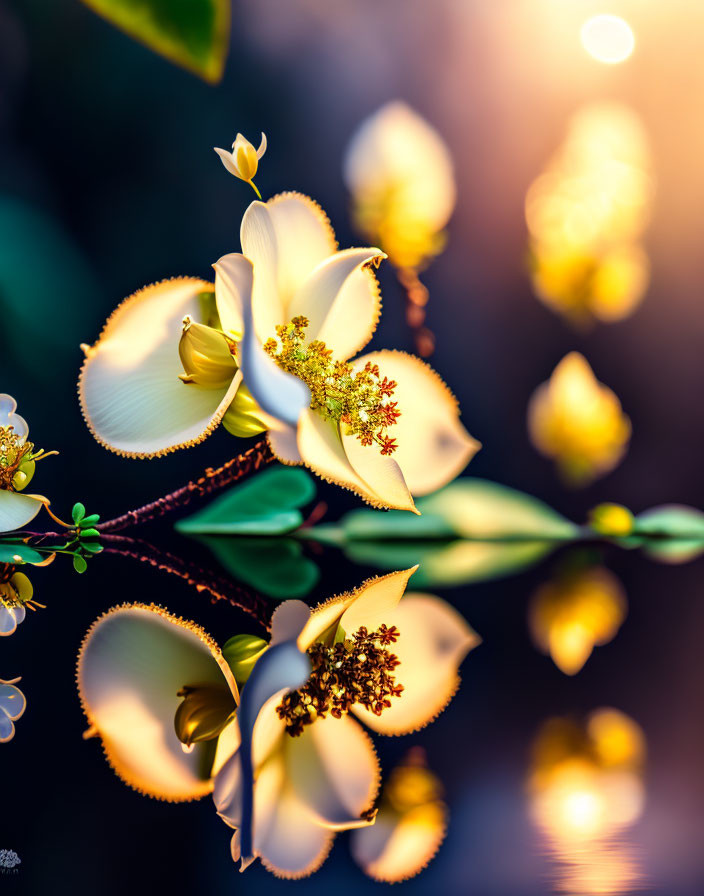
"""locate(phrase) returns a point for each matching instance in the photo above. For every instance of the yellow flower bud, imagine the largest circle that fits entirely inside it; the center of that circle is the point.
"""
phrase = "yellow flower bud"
(244, 417)
(241, 653)
(611, 519)
(206, 356)
(243, 161)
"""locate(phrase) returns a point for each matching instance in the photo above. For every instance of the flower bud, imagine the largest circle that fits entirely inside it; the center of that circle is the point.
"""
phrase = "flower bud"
(241, 653)
(243, 161)
(204, 712)
(206, 356)
(611, 519)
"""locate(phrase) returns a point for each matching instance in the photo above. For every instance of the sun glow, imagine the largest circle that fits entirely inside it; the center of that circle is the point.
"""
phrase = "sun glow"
(608, 39)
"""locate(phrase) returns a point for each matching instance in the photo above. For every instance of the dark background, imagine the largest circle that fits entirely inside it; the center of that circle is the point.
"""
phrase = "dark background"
(108, 181)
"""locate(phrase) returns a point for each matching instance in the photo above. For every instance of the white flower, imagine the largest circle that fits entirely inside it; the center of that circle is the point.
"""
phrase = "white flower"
(135, 402)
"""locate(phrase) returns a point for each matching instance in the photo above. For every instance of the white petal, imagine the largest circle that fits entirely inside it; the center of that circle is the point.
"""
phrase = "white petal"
(283, 442)
(228, 161)
(262, 146)
(12, 701)
(8, 622)
(433, 446)
(300, 235)
(381, 472)
(130, 391)
(233, 279)
(7, 729)
(131, 666)
(281, 668)
(341, 300)
(334, 771)
(292, 844)
(8, 406)
(259, 245)
(16, 510)
(433, 640)
(288, 621)
(400, 844)
(376, 601)
(320, 447)
(277, 393)
(18, 424)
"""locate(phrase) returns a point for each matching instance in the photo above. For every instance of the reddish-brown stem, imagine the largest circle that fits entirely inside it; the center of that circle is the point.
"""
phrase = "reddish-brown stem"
(202, 580)
(234, 470)
(416, 300)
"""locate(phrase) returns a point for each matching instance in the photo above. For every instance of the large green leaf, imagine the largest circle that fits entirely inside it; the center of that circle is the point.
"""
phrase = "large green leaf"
(467, 508)
(266, 504)
(275, 566)
(671, 520)
(192, 33)
(477, 508)
(444, 564)
(11, 550)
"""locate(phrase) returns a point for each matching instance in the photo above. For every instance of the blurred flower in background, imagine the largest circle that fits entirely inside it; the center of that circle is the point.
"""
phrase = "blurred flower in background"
(586, 789)
(578, 422)
(401, 177)
(574, 613)
(410, 824)
(586, 215)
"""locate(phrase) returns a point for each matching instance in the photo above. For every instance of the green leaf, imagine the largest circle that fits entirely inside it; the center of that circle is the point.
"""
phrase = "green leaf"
(79, 563)
(78, 512)
(264, 505)
(89, 520)
(89, 533)
(673, 520)
(448, 564)
(92, 547)
(674, 550)
(10, 551)
(192, 33)
(275, 566)
(467, 508)
(241, 653)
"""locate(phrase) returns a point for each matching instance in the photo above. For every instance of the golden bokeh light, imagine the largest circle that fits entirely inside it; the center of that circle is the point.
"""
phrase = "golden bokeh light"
(575, 613)
(585, 790)
(578, 422)
(586, 216)
(608, 39)
(400, 174)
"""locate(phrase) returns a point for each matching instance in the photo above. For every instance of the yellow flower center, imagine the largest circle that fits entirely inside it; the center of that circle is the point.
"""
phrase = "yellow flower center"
(357, 399)
(358, 670)
(13, 450)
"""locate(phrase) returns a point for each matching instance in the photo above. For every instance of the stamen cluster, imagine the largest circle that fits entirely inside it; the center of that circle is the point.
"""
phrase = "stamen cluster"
(359, 400)
(13, 450)
(358, 670)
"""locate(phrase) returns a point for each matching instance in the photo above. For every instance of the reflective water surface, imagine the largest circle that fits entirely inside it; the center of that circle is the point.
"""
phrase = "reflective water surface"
(563, 768)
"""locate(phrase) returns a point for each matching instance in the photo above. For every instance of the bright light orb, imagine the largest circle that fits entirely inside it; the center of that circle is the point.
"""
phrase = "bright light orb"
(608, 39)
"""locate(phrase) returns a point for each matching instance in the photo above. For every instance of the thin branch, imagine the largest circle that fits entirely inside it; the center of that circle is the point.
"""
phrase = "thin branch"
(234, 470)
(416, 301)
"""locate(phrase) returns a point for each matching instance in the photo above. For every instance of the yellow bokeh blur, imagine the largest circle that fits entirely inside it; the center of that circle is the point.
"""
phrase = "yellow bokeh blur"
(586, 789)
(400, 175)
(575, 613)
(578, 422)
(586, 216)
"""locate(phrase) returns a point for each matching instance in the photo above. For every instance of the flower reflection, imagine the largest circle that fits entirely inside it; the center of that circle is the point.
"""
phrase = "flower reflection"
(12, 704)
(578, 422)
(586, 215)
(574, 613)
(286, 761)
(410, 824)
(586, 789)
